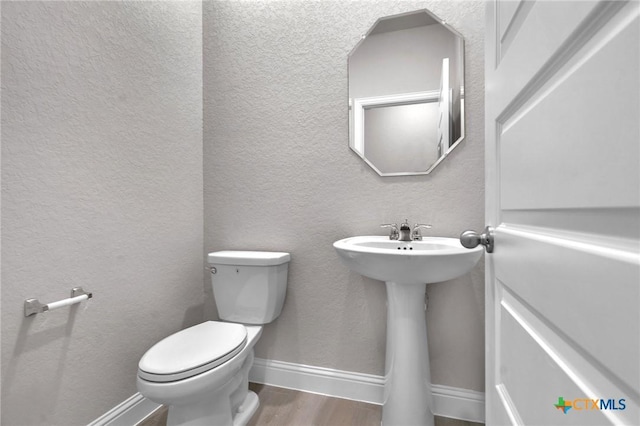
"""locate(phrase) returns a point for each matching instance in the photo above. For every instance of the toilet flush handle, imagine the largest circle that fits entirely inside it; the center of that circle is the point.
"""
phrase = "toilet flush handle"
(211, 269)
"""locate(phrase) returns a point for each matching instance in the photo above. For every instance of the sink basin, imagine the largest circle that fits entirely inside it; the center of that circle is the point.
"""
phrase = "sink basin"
(406, 268)
(431, 260)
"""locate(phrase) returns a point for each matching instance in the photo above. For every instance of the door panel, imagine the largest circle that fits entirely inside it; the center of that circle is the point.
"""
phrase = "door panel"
(506, 14)
(541, 38)
(561, 163)
(511, 14)
(530, 269)
(521, 327)
(563, 194)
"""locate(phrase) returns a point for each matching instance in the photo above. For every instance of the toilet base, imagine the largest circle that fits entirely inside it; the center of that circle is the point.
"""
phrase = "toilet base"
(208, 413)
(232, 404)
(247, 409)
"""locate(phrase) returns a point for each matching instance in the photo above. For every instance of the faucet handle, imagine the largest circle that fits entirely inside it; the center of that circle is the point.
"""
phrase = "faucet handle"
(394, 234)
(416, 235)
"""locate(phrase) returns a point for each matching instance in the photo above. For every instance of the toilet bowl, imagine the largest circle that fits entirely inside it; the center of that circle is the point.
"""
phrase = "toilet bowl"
(213, 396)
(202, 373)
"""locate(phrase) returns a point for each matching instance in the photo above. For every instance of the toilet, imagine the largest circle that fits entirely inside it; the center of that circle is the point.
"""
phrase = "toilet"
(202, 373)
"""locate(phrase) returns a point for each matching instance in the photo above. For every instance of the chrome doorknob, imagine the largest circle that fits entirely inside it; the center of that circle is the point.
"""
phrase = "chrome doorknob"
(471, 239)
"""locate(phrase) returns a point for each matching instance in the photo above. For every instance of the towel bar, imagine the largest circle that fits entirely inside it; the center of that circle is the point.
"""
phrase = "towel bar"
(33, 306)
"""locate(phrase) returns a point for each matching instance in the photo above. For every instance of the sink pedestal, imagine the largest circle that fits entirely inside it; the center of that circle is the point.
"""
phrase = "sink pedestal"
(407, 389)
(405, 267)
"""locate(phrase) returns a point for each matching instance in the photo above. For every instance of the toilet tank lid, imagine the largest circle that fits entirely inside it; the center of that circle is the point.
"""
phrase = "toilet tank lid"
(248, 258)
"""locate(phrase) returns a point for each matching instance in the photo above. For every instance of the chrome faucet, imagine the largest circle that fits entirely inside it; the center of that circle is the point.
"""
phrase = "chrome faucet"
(404, 233)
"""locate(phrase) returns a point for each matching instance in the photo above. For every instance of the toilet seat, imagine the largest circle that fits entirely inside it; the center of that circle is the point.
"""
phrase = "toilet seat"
(192, 351)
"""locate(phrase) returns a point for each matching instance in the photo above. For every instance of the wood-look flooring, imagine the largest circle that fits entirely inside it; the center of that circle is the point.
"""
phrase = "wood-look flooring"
(286, 407)
(279, 406)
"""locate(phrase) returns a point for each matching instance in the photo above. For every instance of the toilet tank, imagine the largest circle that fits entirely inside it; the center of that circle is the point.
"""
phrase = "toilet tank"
(249, 287)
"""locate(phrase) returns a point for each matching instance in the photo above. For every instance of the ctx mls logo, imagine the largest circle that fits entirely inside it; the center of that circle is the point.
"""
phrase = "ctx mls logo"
(580, 404)
(563, 405)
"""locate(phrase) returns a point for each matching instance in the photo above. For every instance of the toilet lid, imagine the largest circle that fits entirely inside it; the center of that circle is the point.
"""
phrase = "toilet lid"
(192, 351)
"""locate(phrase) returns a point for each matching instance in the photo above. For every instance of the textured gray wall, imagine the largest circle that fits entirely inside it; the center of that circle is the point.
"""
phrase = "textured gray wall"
(279, 175)
(102, 188)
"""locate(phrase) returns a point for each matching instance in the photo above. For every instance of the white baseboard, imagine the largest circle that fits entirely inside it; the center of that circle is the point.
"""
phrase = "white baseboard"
(456, 403)
(448, 401)
(324, 381)
(128, 413)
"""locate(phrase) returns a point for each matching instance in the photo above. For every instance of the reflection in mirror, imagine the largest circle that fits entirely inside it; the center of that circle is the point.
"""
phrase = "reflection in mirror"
(406, 94)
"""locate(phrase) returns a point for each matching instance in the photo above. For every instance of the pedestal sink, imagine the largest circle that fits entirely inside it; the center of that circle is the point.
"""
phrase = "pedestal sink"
(406, 268)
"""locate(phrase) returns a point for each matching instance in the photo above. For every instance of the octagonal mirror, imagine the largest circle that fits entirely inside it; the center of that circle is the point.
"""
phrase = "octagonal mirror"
(406, 94)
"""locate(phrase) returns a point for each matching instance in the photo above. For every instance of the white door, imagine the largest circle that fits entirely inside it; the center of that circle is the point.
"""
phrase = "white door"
(563, 194)
(444, 110)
